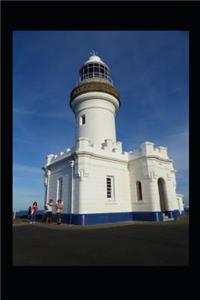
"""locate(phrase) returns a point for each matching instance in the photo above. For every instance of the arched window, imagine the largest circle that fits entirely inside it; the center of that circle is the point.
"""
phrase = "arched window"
(139, 190)
(82, 120)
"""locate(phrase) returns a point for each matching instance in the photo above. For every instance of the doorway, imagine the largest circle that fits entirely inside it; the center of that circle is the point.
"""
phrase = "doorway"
(162, 194)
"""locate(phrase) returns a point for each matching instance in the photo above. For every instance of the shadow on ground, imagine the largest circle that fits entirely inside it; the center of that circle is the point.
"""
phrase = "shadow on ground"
(120, 244)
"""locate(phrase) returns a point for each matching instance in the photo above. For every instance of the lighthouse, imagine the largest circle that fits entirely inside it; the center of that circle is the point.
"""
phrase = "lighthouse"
(96, 179)
(95, 101)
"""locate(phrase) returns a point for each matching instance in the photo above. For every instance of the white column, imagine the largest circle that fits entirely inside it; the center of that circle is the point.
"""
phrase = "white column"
(72, 189)
(98, 111)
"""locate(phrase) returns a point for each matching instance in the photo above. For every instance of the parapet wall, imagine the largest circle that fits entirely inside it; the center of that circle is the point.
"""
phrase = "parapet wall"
(149, 149)
(54, 157)
(111, 149)
(108, 149)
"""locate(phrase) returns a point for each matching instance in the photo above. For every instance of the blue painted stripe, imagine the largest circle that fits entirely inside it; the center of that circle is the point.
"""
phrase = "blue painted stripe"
(176, 213)
(148, 216)
(100, 218)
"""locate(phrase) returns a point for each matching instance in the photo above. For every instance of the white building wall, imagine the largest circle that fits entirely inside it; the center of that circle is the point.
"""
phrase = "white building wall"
(99, 109)
(138, 172)
(92, 189)
(96, 126)
(179, 198)
(148, 170)
(94, 164)
(61, 169)
(159, 168)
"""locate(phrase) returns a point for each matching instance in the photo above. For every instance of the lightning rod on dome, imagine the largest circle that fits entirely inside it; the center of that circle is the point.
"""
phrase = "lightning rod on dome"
(93, 52)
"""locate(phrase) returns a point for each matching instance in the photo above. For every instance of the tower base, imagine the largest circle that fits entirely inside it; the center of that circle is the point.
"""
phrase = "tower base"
(103, 218)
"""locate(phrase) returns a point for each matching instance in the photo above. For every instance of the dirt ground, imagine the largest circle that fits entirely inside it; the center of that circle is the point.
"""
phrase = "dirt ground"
(118, 244)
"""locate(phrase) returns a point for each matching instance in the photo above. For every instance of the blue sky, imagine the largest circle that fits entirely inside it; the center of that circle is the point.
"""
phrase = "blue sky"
(150, 70)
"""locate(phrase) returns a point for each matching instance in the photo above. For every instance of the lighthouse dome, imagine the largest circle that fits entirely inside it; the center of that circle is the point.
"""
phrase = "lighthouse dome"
(95, 59)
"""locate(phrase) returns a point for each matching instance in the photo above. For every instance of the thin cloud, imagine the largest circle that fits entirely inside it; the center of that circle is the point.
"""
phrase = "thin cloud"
(20, 179)
(176, 89)
(23, 141)
(36, 114)
(26, 170)
(178, 148)
(24, 197)
(180, 134)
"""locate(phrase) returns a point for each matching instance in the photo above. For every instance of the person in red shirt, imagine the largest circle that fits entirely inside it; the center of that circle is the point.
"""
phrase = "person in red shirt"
(34, 211)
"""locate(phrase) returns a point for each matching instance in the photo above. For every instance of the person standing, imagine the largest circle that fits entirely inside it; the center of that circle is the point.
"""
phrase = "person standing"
(49, 209)
(34, 211)
(59, 208)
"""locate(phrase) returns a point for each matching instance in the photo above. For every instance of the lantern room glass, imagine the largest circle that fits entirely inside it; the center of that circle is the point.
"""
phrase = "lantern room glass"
(95, 70)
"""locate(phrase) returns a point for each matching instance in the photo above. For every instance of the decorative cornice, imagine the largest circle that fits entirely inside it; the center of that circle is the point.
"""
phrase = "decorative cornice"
(94, 87)
(151, 156)
(60, 159)
(101, 157)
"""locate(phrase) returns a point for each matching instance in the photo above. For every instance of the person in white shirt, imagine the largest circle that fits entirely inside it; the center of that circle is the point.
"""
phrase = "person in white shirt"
(59, 208)
(49, 209)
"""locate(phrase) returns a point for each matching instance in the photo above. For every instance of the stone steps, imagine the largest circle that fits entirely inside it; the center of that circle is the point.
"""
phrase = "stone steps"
(166, 218)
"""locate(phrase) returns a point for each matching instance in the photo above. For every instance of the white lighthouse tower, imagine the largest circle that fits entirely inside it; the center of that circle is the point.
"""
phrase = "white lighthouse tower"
(97, 181)
(95, 101)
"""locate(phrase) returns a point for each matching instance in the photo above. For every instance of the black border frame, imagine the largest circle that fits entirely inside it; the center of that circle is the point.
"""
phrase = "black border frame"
(82, 15)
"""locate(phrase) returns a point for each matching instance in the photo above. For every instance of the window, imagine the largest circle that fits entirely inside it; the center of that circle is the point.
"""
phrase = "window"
(110, 187)
(108, 184)
(59, 188)
(90, 68)
(82, 120)
(96, 70)
(139, 190)
(106, 70)
(85, 69)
